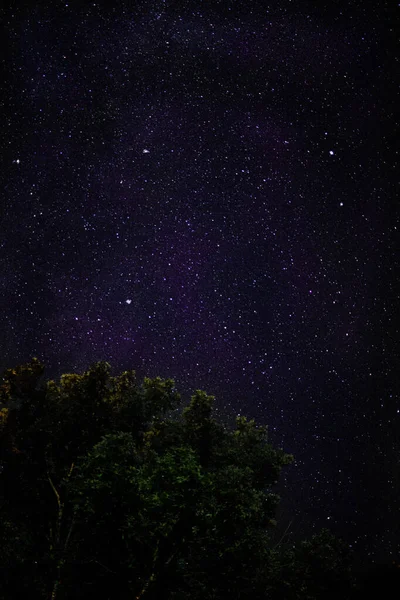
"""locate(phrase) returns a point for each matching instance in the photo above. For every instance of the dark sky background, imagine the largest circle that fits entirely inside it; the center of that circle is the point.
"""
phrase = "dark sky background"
(206, 191)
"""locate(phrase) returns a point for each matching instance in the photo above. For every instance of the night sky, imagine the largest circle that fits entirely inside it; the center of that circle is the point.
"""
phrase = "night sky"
(206, 191)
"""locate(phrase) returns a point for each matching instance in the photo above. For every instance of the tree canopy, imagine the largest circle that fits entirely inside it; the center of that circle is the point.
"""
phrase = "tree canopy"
(104, 493)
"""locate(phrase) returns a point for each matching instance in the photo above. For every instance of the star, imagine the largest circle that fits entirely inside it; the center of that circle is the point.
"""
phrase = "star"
(229, 236)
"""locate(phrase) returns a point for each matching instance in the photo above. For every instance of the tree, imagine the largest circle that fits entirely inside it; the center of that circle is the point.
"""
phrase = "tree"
(44, 429)
(104, 491)
(316, 568)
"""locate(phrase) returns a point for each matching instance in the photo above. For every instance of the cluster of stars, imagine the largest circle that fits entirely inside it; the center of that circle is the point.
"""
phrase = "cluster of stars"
(177, 213)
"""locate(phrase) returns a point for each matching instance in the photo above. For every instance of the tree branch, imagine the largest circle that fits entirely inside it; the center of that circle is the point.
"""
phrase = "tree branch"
(152, 576)
(61, 560)
(54, 490)
(284, 533)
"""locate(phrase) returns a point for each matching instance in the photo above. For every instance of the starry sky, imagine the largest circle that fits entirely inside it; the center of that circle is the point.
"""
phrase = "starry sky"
(206, 191)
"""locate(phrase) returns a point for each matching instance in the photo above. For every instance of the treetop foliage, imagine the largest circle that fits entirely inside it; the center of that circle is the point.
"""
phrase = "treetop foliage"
(102, 490)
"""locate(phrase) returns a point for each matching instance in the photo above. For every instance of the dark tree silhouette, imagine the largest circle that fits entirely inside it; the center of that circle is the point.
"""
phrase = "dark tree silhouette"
(104, 493)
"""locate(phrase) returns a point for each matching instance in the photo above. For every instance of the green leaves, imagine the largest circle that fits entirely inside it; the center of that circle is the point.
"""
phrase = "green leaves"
(111, 494)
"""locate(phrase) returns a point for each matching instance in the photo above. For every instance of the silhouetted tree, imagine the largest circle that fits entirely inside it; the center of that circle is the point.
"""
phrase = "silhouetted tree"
(102, 491)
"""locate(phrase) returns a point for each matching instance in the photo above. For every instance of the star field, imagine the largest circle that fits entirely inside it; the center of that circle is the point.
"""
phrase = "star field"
(205, 191)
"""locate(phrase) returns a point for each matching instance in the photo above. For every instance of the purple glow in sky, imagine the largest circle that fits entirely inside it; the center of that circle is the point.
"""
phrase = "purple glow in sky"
(203, 191)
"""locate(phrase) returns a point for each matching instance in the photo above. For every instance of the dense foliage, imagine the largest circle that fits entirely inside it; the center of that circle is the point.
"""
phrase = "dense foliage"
(105, 492)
